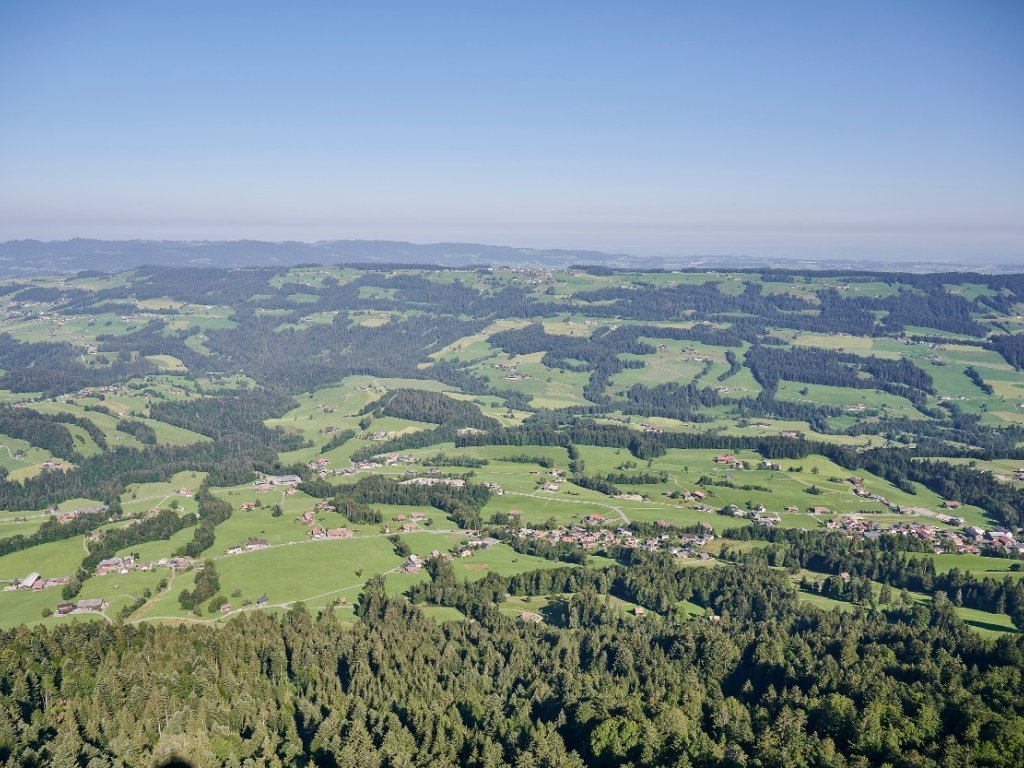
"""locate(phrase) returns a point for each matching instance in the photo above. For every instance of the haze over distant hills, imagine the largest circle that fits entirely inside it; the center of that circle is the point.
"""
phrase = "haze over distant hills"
(27, 257)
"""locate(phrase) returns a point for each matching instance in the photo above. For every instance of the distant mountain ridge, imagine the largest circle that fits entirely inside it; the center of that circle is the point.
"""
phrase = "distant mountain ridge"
(36, 257)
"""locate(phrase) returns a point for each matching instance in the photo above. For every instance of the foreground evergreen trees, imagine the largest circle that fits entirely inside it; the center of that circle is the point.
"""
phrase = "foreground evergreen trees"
(772, 683)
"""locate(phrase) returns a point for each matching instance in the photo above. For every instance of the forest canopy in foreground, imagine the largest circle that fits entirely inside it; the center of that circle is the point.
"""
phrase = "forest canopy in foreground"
(771, 683)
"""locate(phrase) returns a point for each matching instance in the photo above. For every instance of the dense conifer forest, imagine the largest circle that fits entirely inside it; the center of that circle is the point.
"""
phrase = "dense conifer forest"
(769, 683)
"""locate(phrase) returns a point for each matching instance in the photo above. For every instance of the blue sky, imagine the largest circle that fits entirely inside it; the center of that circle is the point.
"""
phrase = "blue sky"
(878, 129)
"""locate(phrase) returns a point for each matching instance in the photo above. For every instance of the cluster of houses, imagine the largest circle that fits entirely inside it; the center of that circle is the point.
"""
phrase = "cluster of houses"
(972, 539)
(35, 582)
(261, 602)
(855, 526)
(413, 564)
(377, 437)
(861, 492)
(93, 391)
(943, 517)
(687, 495)
(730, 461)
(391, 459)
(308, 519)
(941, 539)
(409, 523)
(536, 277)
(858, 525)
(554, 484)
(904, 339)
(266, 482)
(125, 564)
(250, 545)
(759, 514)
(129, 563)
(262, 487)
(591, 534)
(352, 469)
(322, 465)
(176, 563)
(318, 533)
(87, 605)
(475, 545)
(998, 539)
(16, 309)
(689, 353)
(64, 517)
(455, 482)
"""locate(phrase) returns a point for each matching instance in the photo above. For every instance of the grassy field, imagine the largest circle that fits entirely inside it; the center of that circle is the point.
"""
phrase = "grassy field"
(13, 525)
(991, 567)
(141, 497)
(846, 397)
(57, 558)
(154, 550)
(500, 559)
(26, 607)
(327, 571)
(1004, 470)
(989, 625)
(166, 434)
(825, 603)
(337, 408)
(442, 613)
(678, 361)
(986, 624)
(20, 458)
